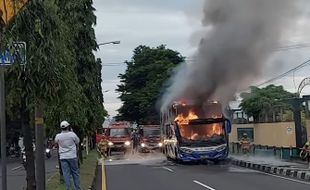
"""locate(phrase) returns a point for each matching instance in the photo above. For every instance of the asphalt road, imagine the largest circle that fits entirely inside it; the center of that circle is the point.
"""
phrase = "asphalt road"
(17, 174)
(143, 173)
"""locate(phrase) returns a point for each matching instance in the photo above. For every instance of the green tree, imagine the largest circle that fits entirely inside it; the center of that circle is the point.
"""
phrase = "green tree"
(49, 70)
(79, 15)
(143, 80)
(265, 104)
(61, 74)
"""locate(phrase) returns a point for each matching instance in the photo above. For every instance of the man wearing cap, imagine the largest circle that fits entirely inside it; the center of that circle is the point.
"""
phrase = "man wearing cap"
(67, 147)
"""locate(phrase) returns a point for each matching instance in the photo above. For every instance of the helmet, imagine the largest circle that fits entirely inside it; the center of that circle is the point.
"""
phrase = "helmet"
(64, 124)
(245, 134)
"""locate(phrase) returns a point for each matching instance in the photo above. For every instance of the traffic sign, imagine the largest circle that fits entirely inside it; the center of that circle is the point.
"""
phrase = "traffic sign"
(9, 9)
(14, 54)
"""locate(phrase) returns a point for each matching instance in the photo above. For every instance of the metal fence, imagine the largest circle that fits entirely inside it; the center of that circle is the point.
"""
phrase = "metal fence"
(283, 153)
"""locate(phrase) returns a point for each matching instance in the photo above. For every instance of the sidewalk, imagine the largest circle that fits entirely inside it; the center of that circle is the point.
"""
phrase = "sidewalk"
(273, 166)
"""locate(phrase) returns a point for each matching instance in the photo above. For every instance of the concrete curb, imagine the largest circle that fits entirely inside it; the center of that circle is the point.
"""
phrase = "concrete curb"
(93, 185)
(287, 172)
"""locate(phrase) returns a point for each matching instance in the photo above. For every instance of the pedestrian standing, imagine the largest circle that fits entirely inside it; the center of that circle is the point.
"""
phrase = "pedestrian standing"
(67, 142)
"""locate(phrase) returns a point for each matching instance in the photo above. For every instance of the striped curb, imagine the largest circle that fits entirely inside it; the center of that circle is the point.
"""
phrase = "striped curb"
(288, 172)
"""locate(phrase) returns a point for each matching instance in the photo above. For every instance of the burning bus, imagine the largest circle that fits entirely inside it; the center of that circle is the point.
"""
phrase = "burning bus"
(193, 132)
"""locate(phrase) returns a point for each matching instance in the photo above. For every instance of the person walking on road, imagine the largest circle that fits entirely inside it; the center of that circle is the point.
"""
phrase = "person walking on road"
(67, 147)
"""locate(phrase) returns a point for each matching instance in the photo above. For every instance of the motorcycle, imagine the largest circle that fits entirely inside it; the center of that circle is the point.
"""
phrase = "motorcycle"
(14, 152)
(304, 154)
(23, 157)
(245, 148)
(48, 153)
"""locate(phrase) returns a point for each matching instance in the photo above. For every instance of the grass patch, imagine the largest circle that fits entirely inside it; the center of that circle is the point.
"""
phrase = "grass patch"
(87, 172)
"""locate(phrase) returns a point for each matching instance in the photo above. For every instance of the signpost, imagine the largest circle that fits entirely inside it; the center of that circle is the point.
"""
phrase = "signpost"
(3, 130)
(14, 54)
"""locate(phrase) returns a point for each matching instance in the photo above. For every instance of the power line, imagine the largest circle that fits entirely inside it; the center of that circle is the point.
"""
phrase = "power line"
(191, 59)
(294, 46)
(304, 64)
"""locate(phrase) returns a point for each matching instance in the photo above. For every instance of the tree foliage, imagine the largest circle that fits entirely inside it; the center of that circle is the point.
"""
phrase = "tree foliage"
(142, 82)
(265, 103)
(61, 68)
(61, 71)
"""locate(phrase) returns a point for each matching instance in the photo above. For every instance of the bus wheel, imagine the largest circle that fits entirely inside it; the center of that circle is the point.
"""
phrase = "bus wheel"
(167, 154)
(164, 150)
(177, 160)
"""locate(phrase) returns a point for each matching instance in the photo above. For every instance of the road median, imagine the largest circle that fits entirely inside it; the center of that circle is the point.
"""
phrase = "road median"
(297, 171)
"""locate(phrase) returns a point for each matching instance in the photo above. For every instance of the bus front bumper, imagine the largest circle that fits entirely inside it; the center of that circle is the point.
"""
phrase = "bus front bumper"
(194, 156)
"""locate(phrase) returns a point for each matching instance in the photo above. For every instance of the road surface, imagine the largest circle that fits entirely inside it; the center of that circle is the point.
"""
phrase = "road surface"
(153, 174)
(17, 175)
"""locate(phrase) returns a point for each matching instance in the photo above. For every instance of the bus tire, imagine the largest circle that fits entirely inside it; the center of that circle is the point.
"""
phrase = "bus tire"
(177, 160)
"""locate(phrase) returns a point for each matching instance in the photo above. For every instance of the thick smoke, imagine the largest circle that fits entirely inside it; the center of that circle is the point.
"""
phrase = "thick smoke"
(238, 40)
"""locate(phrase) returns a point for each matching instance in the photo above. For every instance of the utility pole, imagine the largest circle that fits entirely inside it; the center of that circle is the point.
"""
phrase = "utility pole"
(3, 129)
(297, 118)
(40, 151)
(296, 104)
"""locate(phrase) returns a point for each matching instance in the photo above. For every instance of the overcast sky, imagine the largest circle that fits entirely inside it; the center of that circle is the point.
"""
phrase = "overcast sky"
(175, 23)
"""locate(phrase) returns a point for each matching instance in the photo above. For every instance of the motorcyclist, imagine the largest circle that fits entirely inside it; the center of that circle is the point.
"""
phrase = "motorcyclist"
(305, 152)
(245, 143)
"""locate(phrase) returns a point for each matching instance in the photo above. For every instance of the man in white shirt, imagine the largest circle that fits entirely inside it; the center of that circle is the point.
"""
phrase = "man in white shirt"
(67, 148)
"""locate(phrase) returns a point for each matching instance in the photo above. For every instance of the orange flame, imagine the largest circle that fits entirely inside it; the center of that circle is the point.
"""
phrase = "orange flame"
(181, 119)
(217, 129)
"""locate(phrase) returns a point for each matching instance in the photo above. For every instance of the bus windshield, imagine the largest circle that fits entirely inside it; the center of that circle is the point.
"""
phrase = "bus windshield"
(121, 132)
(208, 134)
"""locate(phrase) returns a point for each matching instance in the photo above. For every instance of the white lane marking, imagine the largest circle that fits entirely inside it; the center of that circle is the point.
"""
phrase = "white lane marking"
(16, 168)
(285, 178)
(168, 169)
(203, 185)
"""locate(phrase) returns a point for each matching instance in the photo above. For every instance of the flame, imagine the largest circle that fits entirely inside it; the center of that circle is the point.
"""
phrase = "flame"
(181, 119)
(217, 129)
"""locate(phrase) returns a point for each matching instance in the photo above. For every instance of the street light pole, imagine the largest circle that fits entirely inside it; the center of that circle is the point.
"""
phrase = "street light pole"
(3, 130)
(112, 42)
(40, 151)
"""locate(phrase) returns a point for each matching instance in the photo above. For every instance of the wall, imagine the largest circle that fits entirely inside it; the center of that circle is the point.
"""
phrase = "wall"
(271, 134)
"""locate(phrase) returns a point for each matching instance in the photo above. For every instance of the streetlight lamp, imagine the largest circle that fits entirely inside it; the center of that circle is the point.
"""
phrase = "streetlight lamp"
(112, 42)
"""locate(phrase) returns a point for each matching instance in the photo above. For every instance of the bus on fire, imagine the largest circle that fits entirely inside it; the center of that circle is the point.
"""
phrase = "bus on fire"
(194, 132)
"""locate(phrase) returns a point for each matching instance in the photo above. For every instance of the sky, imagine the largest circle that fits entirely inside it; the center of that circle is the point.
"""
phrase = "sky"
(176, 23)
